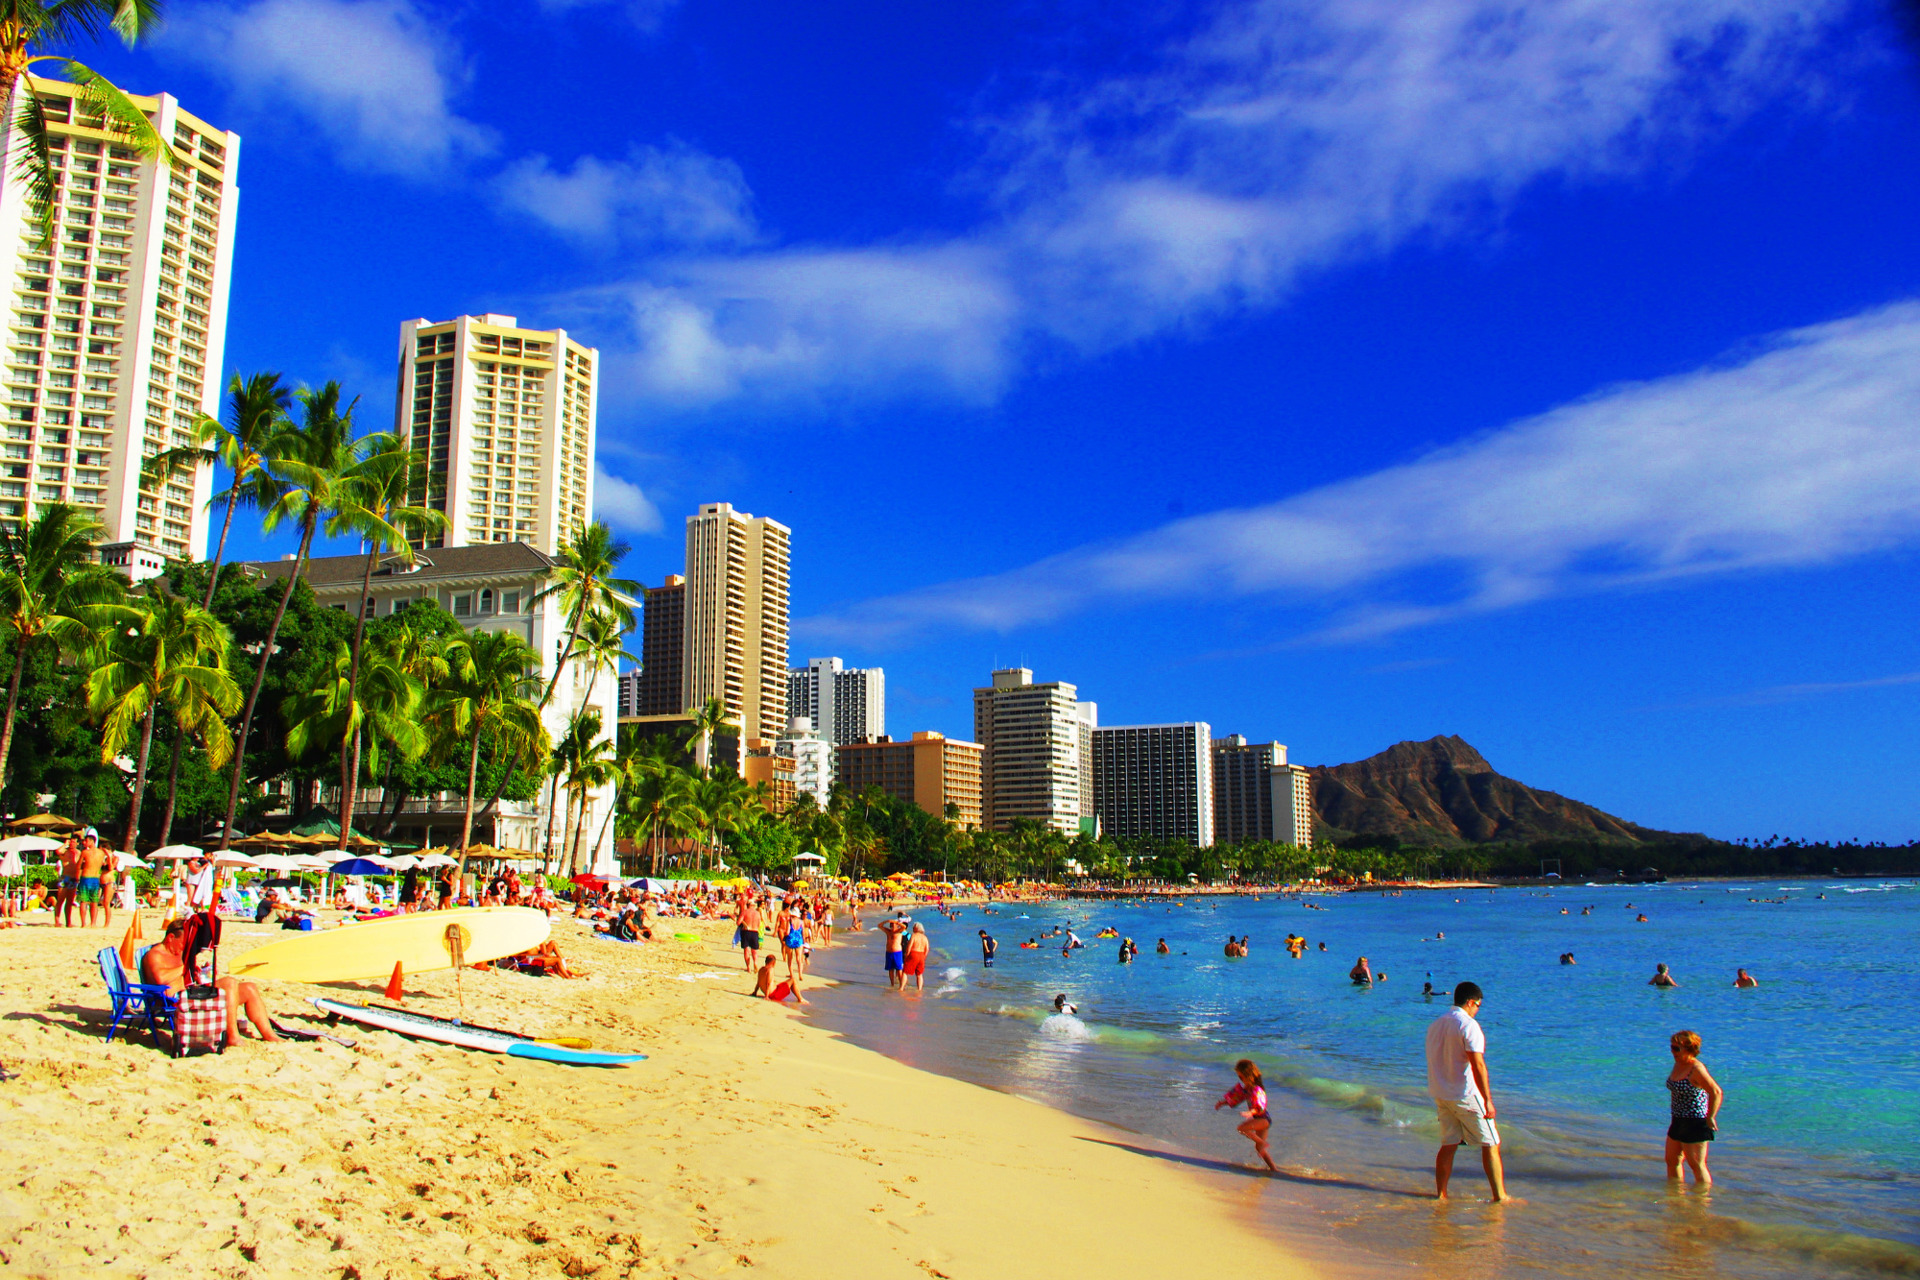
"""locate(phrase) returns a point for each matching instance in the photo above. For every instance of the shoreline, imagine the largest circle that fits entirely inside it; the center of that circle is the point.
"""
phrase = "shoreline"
(750, 1138)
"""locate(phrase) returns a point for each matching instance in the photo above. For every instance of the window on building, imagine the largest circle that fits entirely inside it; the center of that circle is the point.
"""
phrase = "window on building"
(486, 600)
(463, 604)
(509, 602)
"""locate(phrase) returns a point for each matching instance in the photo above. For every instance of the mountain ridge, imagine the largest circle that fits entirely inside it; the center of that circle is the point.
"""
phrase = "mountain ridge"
(1444, 792)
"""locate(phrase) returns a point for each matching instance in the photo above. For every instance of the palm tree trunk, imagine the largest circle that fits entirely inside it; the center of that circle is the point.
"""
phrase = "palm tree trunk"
(13, 703)
(259, 679)
(139, 783)
(473, 784)
(173, 787)
(350, 770)
(553, 804)
(352, 774)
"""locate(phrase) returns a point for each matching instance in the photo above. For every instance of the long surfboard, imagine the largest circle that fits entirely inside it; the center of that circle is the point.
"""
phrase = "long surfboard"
(418, 943)
(452, 1031)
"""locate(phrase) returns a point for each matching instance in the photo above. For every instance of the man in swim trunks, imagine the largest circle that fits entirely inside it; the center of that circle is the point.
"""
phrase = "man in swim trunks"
(1744, 979)
(749, 932)
(87, 890)
(68, 884)
(896, 960)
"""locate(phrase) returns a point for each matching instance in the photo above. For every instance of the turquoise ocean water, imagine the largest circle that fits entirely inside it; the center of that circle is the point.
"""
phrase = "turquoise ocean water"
(1817, 1167)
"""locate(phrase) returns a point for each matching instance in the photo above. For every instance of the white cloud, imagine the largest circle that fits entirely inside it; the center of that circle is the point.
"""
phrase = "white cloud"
(1806, 454)
(673, 195)
(1290, 136)
(647, 15)
(622, 503)
(825, 321)
(375, 76)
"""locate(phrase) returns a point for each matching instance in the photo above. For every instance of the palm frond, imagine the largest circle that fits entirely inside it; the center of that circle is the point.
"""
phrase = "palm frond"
(124, 120)
(34, 165)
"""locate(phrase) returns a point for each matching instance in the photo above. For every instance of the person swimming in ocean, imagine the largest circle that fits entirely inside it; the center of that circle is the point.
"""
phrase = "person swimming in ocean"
(1252, 1090)
(1361, 973)
(1661, 978)
(1163, 949)
(1060, 1005)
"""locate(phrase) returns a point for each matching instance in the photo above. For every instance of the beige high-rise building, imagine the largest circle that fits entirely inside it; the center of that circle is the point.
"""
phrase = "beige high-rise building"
(117, 328)
(736, 617)
(1031, 763)
(506, 418)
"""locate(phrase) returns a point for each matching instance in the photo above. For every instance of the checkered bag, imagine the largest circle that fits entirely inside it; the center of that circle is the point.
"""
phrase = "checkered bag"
(200, 1021)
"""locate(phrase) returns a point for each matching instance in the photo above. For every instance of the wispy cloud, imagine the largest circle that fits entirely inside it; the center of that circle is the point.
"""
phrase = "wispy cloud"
(1285, 138)
(623, 504)
(375, 77)
(647, 15)
(673, 195)
(1800, 692)
(1804, 454)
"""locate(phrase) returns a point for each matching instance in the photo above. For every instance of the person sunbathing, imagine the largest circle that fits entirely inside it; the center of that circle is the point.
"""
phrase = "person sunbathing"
(166, 965)
(547, 958)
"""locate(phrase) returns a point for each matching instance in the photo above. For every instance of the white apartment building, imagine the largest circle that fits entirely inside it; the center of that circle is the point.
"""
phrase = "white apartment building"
(487, 588)
(117, 327)
(736, 618)
(506, 417)
(1031, 763)
(1155, 780)
(847, 703)
(813, 760)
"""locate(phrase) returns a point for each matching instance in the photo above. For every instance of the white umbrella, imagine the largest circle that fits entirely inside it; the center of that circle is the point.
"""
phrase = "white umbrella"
(437, 860)
(276, 862)
(28, 844)
(308, 862)
(176, 853)
(402, 862)
(129, 860)
(10, 864)
(235, 858)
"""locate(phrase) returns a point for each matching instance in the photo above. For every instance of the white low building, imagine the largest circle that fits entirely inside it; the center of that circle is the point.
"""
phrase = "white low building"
(490, 587)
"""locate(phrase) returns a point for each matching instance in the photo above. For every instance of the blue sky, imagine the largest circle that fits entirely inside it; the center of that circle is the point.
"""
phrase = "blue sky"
(1341, 373)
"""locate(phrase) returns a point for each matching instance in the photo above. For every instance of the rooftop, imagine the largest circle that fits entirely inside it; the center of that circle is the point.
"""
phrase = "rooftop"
(441, 562)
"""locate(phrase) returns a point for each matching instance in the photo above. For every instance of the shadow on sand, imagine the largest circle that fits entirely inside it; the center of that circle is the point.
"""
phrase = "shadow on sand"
(1246, 1171)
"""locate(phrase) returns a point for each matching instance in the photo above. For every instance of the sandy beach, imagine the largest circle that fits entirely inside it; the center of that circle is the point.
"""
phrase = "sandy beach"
(748, 1140)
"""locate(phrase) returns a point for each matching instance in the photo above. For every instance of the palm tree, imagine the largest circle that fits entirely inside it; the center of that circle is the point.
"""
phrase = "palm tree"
(593, 767)
(382, 710)
(308, 468)
(49, 586)
(655, 795)
(428, 657)
(707, 721)
(603, 644)
(164, 651)
(584, 583)
(29, 25)
(574, 743)
(491, 689)
(258, 411)
(372, 502)
(245, 444)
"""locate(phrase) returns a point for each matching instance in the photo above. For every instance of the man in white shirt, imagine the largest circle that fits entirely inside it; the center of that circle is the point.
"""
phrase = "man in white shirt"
(1457, 1082)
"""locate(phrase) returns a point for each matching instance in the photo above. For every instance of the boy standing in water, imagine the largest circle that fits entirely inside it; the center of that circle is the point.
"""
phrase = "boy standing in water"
(987, 947)
(1457, 1081)
(1251, 1090)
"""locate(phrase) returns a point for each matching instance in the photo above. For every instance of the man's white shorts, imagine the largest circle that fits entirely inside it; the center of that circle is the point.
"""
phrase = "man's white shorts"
(1466, 1122)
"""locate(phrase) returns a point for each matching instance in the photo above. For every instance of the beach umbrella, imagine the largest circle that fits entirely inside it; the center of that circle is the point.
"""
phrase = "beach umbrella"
(587, 880)
(360, 867)
(175, 853)
(437, 860)
(45, 822)
(28, 844)
(234, 858)
(401, 862)
(131, 860)
(308, 862)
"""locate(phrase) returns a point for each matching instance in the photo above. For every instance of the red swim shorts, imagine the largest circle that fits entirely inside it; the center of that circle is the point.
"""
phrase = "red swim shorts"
(916, 963)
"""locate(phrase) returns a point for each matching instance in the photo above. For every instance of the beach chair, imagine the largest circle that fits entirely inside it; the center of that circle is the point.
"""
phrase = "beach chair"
(232, 903)
(136, 998)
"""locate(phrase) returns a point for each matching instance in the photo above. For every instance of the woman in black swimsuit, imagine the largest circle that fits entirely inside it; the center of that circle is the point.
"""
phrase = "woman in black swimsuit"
(1696, 1101)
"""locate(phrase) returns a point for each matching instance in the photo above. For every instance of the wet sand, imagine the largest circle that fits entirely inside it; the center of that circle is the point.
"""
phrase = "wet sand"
(748, 1140)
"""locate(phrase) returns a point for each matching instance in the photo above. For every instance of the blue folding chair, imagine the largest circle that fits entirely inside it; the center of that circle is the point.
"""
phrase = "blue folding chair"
(136, 998)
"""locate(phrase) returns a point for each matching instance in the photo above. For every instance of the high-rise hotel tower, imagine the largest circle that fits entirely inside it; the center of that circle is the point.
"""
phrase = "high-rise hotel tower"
(735, 606)
(506, 419)
(116, 330)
